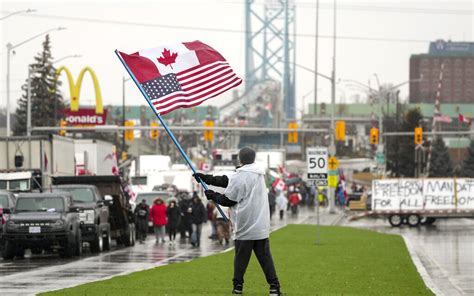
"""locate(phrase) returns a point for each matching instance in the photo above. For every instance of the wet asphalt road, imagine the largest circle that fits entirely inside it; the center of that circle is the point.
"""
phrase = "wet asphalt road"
(42, 273)
(443, 252)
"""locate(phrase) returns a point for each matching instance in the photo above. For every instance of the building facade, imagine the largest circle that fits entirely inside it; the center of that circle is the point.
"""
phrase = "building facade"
(456, 61)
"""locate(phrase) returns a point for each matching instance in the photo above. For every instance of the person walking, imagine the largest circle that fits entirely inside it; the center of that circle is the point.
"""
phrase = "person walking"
(246, 195)
(210, 207)
(158, 216)
(174, 216)
(142, 213)
(185, 225)
(281, 203)
(294, 201)
(198, 217)
(272, 201)
(223, 226)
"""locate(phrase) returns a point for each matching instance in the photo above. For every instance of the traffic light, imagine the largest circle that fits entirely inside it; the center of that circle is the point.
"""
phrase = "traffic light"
(374, 136)
(340, 130)
(293, 136)
(154, 133)
(208, 134)
(124, 156)
(62, 124)
(129, 136)
(418, 135)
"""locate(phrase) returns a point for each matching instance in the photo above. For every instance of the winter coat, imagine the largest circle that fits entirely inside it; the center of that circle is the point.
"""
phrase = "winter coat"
(158, 214)
(142, 214)
(294, 199)
(174, 215)
(199, 213)
(281, 201)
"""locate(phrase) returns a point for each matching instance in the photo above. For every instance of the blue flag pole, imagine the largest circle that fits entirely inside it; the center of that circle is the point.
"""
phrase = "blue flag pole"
(168, 131)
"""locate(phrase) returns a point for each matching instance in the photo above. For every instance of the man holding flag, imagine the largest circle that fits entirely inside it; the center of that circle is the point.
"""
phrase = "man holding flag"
(246, 195)
(184, 75)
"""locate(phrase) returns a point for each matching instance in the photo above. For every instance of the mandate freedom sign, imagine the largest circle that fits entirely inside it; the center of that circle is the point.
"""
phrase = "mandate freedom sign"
(317, 159)
(422, 194)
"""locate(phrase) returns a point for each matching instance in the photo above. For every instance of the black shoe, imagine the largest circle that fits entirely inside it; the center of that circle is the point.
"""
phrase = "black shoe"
(238, 289)
(275, 291)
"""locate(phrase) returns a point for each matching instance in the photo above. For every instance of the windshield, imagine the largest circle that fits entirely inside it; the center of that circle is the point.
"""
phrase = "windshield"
(79, 194)
(138, 180)
(150, 197)
(3, 201)
(40, 204)
(21, 185)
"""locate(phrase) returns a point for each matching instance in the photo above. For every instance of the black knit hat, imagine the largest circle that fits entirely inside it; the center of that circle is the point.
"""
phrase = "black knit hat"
(246, 155)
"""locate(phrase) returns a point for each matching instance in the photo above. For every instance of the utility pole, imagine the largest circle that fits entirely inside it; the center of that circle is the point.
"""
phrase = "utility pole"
(316, 61)
(332, 147)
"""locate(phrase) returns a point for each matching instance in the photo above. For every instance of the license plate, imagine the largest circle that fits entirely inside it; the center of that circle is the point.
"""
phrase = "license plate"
(35, 229)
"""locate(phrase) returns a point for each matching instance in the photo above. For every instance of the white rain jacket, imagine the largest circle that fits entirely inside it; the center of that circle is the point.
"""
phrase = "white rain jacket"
(251, 215)
(281, 201)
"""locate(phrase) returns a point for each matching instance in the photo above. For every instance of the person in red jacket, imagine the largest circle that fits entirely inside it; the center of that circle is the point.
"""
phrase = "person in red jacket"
(158, 216)
(294, 200)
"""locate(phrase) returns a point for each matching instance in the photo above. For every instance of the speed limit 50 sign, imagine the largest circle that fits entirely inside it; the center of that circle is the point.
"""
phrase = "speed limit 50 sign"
(317, 160)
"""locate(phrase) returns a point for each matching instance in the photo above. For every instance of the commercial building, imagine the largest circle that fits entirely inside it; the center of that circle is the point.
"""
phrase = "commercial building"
(456, 61)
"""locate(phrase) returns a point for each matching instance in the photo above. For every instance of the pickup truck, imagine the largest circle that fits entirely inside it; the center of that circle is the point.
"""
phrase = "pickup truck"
(93, 215)
(42, 221)
(120, 218)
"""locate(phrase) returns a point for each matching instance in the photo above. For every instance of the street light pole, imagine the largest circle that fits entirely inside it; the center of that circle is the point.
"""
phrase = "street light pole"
(316, 61)
(123, 111)
(10, 47)
(17, 12)
(332, 145)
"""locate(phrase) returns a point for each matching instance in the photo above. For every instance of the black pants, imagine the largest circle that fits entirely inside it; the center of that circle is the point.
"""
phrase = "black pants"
(261, 248)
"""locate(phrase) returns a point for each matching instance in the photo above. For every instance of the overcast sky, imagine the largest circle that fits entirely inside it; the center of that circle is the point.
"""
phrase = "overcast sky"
(96, 29)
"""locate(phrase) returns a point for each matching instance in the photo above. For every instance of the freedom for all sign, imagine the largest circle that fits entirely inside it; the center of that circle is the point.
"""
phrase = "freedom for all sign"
(422, 194)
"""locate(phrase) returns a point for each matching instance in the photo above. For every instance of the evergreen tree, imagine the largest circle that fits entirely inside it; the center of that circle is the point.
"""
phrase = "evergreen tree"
(441, 165)
(46, 101)
(468, 164)
(401, 149)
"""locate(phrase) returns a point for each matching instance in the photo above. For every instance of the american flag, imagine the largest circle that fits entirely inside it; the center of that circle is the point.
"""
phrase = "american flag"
(181, 75)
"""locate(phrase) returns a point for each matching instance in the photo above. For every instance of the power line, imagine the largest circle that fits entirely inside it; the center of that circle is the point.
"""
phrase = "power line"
(217, 30)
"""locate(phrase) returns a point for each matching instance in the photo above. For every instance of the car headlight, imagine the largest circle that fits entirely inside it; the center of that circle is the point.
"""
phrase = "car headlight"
(87, 217)
(58, 224)
(12, 224)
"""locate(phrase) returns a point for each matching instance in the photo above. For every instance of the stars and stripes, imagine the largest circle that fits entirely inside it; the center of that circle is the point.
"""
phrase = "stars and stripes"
(195, 73)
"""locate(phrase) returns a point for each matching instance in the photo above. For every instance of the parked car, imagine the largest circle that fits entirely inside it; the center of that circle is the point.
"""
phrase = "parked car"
(93, 216)
(42, 221)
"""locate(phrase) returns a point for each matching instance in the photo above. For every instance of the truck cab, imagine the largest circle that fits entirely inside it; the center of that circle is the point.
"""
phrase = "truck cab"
(42, 221)
(93, 214)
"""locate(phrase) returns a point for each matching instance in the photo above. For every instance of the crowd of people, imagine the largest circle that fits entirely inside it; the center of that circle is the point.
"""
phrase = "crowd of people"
(185, 216)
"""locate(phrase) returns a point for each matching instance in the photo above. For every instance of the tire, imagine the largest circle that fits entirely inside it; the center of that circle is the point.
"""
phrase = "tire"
(128, 238)
(9, 251)
(107, 240)
(97, 245)
(413, 220)
(430, 220)
(36, 251)
(20, 253)
(67, 250)
(78, 245)
(395, 220)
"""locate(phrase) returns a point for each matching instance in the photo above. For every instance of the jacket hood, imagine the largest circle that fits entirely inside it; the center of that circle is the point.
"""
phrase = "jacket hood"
(253, 168)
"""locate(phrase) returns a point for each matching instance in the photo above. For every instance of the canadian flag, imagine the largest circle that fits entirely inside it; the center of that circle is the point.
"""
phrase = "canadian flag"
(279, 184)
(464, 119)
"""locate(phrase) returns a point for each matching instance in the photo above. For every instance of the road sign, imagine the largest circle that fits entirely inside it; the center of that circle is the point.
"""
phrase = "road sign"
(333, 163)
(317, 160)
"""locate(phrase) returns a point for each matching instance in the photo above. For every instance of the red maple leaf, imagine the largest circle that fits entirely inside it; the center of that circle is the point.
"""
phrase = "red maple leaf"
(168, 58)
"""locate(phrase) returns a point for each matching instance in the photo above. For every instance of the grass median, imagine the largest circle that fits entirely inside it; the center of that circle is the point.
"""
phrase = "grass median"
(348, 261)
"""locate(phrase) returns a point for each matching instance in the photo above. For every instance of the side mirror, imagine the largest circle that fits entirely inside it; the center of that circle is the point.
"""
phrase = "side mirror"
(100, 203)
(108, 200)
(6, 211)
(74, 210)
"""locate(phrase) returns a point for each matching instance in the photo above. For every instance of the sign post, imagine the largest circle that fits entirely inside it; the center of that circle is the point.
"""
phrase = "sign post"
(317, 160)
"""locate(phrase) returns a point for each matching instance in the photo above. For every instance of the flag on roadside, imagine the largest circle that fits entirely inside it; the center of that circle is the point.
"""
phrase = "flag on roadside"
(279, 184)
(181, 75)
(463, 119)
